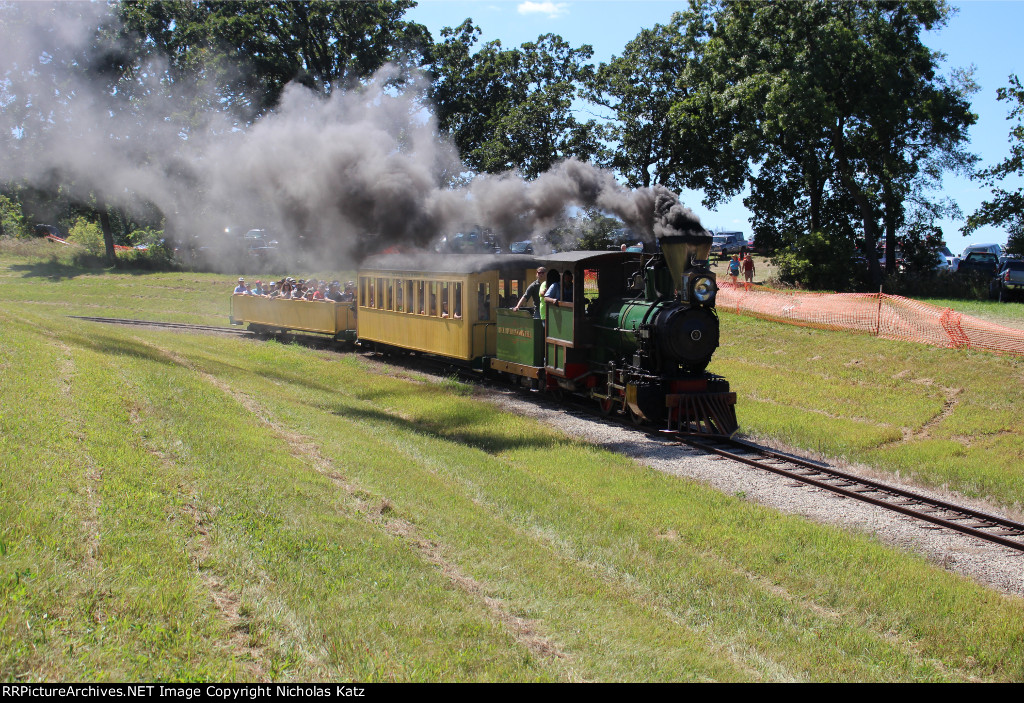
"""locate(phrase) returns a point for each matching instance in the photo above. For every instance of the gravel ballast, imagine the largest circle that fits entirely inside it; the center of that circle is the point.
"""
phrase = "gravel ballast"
(996, 566)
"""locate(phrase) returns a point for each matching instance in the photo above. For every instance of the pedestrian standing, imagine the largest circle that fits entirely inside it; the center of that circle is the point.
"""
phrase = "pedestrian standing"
(748, 272)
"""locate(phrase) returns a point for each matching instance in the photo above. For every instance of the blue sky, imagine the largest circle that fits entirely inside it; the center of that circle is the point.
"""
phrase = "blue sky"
(982, 33)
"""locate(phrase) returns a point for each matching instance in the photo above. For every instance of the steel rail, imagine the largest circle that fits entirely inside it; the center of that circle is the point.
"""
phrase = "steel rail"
(856, 482)
(152, 323)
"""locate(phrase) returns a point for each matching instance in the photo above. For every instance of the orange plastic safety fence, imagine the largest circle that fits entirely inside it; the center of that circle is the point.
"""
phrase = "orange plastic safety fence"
(886, 316)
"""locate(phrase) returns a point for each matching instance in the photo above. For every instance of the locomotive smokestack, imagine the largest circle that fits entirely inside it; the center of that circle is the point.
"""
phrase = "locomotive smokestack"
(681, 236)
(681, 249)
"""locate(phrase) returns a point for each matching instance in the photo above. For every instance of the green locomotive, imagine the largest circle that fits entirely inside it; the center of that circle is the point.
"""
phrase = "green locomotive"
(634, 332)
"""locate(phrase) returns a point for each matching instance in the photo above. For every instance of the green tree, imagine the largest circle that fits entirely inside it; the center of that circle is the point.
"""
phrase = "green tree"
(87, 235)
(12, 221)
(1006, 208)
(657, 71)
(250, 50)
(840, 99)
(512, 108)
(595, 230)
(819, 261)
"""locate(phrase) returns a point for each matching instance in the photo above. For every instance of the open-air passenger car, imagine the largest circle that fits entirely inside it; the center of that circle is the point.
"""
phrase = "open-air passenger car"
(276, 315)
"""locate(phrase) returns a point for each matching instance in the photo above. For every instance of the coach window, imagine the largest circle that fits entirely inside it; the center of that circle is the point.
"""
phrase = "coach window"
(371, 289)
(445, 312)
(483, 301)
(457, 288)
(421, 300)
(381, 293)
(591, 284)
(399, 295)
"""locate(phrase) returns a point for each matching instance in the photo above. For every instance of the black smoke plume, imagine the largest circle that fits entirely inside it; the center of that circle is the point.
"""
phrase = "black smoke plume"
(342, 176)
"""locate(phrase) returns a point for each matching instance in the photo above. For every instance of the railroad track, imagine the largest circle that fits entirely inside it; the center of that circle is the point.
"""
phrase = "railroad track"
(984, 526)
(173, 325)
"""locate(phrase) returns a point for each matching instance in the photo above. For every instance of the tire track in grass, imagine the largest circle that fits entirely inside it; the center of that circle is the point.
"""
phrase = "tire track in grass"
(924, 432)
(92, 473)
(225, 600)
(525, 631)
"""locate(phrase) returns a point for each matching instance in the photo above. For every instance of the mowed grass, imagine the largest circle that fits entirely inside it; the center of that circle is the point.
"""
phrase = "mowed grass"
(42, 274)
(946, 417)
(179, 507)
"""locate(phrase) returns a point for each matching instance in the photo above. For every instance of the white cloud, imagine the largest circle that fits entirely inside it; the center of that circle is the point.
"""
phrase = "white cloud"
(551, 9)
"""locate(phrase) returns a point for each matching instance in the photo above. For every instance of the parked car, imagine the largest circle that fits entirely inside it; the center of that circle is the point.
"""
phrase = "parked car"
(950, 259)
(1008, 281)
(727, 244)
(261, 250)
(978, 263)
(523, 247)
(48, 231)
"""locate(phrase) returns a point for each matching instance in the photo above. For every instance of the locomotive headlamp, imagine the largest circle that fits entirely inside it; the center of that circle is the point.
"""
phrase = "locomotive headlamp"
(703, 289)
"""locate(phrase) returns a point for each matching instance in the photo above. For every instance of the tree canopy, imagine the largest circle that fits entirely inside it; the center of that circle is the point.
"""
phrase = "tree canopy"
(827, 110)
(512, 108)
(1006, 208)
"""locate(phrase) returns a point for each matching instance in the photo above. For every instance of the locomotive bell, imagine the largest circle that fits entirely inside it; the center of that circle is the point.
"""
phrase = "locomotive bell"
(680, 249)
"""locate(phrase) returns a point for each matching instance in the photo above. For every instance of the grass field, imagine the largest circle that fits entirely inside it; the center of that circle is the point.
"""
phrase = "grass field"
(180, 507)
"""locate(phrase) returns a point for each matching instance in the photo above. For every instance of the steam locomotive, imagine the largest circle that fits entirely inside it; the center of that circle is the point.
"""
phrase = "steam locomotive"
(632, 332)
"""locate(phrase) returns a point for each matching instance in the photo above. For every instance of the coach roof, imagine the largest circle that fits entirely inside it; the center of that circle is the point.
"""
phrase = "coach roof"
(446, 263)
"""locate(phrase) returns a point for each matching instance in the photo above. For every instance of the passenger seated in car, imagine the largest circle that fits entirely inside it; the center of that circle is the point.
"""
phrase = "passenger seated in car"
(567, 287)
(241, 288)
(560, 291)
(350, 293)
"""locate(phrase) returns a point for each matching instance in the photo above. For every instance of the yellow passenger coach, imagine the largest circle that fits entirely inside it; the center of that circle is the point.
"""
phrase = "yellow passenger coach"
(275, 315)
(442, 305)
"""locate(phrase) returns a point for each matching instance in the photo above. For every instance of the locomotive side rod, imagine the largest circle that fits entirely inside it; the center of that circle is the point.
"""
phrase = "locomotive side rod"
(924, 512)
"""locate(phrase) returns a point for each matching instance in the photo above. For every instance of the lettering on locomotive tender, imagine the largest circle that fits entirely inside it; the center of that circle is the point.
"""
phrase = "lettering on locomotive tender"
(515, 332)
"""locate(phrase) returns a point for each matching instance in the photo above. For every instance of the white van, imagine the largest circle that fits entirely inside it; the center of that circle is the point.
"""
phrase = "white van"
(987, 248)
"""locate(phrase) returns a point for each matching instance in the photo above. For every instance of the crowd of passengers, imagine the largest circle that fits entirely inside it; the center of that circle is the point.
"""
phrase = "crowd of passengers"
(303, 289)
